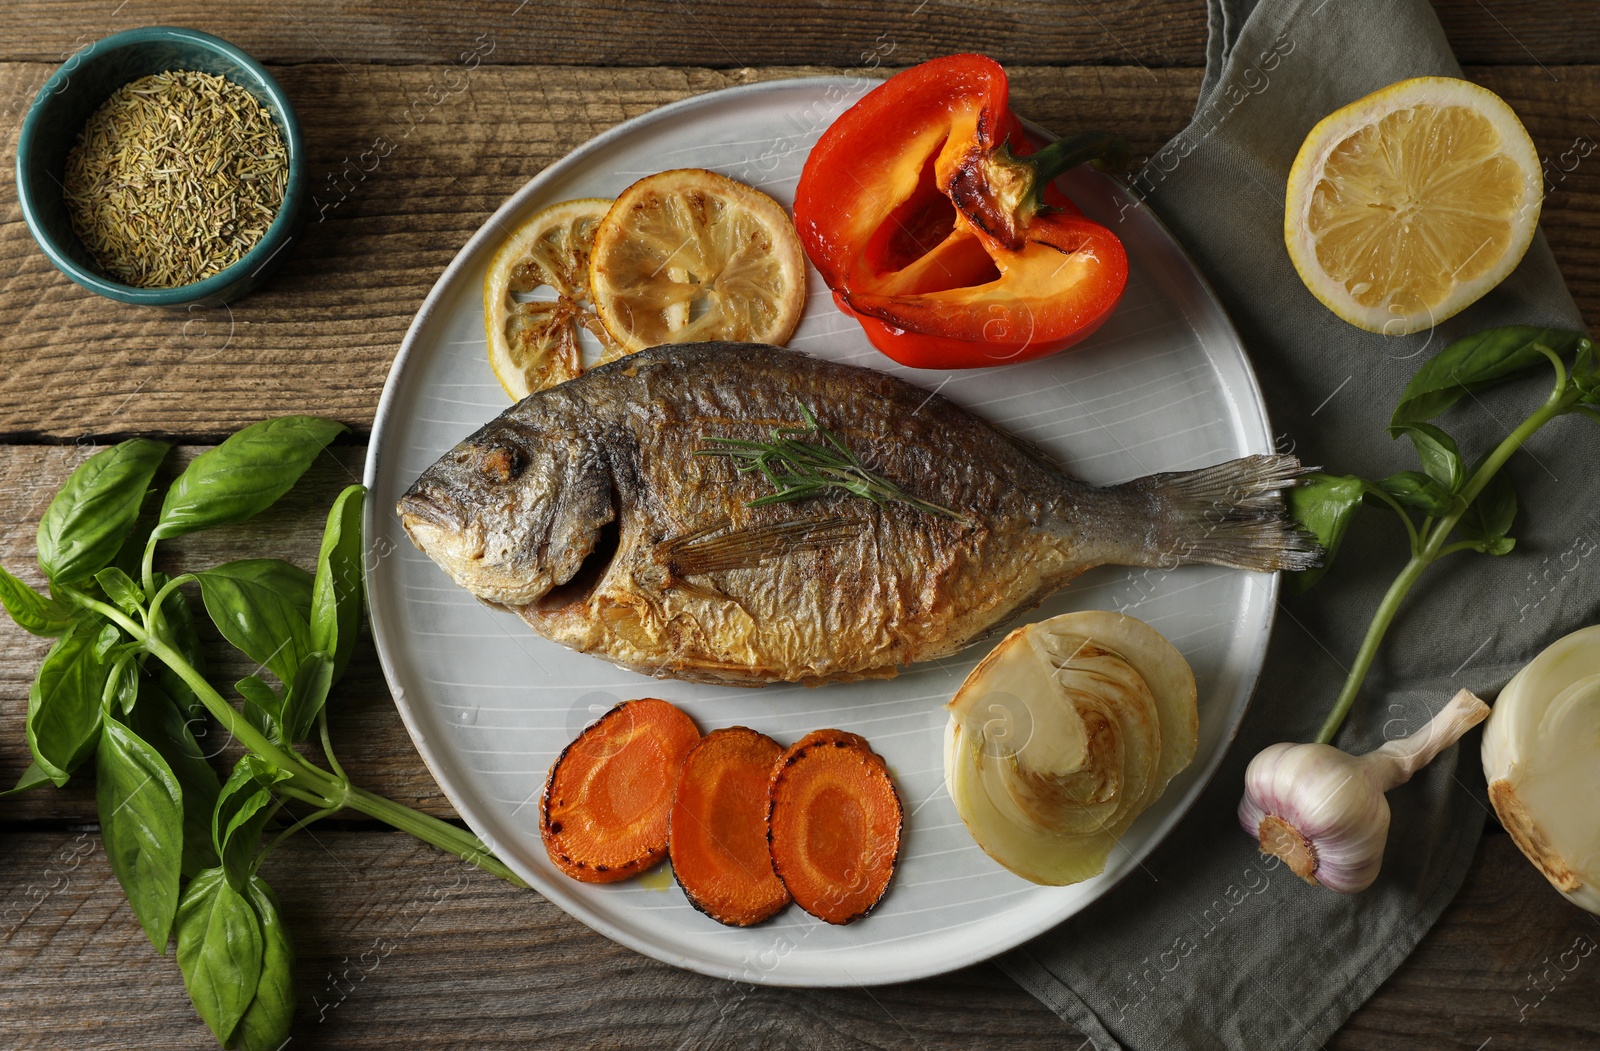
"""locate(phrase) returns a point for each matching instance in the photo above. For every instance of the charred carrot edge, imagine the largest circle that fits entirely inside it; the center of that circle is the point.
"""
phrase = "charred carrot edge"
(846, 885)
(718, 833)
(656, 736)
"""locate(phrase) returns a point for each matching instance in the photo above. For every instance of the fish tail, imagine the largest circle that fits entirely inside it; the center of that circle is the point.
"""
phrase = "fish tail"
(1231, 514)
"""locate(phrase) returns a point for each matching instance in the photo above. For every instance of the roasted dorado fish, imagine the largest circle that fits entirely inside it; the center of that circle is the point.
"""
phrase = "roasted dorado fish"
(584, 509)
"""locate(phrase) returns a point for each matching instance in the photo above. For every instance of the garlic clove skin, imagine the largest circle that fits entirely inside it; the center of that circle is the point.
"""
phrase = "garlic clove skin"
(1324, 812)
(1320, 810)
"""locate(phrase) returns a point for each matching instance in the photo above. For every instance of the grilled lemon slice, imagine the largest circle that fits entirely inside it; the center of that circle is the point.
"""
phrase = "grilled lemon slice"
(689, 255)
(533, 339)
(1405, 207)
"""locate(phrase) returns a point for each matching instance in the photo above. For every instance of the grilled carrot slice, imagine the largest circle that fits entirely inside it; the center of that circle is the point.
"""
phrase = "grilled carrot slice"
(607, 799)
(718, 838)
(833, 825)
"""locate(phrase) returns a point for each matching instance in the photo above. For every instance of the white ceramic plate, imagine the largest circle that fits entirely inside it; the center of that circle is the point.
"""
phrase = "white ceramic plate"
(1163, 386)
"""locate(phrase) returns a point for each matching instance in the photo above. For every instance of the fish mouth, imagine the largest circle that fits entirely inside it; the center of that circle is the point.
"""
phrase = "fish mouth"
(426, 507)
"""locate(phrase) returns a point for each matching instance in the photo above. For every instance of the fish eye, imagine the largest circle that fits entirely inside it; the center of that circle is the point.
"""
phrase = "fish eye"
(500, 463)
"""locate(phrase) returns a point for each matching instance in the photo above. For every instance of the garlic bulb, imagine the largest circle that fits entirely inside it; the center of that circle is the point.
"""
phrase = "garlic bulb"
(1323, 811)
(1063, 735)
(1541, 755)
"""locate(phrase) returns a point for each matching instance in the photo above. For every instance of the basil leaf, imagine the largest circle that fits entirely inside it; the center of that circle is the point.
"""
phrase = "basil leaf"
(109, 636)
(178, 631)
(83, 529)
(1441, 460)
(243, 807)
(130, 556)
(1586, 373)
(33, 612)
(244, 475)
(64, 703)
(265, 1025)
(262, 707)
(1323, 505)
(307, 695)
(120, 588)
(1488, 519)
(141, 825)
(123, 683)
(260, 605)
(159, 722)
(31, 778)
(1472, 363)
(220, 949)
(1415, 489)
(336, 592)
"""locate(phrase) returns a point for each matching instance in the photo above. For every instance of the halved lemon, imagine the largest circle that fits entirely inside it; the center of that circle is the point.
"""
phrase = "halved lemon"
(533, 339)
(1405, 207)
(689, 255)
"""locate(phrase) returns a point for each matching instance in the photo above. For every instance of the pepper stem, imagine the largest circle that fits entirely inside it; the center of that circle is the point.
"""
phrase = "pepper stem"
(1000, 193)
(1103, 149)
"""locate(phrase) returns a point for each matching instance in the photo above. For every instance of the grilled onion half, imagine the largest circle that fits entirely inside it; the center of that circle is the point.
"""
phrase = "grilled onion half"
(1063, 735)
(1541, 756)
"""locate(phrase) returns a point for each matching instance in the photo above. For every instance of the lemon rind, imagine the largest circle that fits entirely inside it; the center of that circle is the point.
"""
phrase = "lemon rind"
(497, 280)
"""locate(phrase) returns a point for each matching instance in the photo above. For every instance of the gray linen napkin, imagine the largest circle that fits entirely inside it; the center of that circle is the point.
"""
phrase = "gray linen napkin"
(1210, 945)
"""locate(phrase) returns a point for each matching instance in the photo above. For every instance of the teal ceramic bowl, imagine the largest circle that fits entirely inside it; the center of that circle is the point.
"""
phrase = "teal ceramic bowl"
(78, 88)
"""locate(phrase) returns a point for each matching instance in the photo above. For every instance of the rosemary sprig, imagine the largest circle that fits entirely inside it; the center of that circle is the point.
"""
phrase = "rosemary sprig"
(801, 470)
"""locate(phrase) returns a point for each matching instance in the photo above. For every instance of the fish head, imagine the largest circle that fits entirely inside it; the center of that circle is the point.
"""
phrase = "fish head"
(513, 511)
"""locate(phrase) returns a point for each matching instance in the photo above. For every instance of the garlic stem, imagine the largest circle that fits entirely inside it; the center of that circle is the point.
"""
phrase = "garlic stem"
(1410, 754)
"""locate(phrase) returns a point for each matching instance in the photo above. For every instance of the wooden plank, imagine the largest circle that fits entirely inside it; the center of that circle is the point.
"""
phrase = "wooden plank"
(321, 336)
(400, 946)
(1509, 965)
(729, 33)
(367, 734)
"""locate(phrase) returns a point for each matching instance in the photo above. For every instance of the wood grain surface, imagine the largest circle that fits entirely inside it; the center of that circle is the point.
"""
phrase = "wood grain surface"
(732, 33)
(398, 945)
(368, 736)
(320, 337)
(401, 947)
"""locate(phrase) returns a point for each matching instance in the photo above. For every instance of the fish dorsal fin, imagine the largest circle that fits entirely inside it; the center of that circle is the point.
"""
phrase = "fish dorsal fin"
(718, 548)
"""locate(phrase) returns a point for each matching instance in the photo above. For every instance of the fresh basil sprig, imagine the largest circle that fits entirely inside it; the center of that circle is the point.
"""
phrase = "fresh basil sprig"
(272, 1009)
(124, 683)
(64, 702)
(85, 525)
(1475, 362)
(260, 605)
(33, 612)
(336, 592)
(244, 475)
(159, 721)
(1463, 509)
(141, 814)
(220, 951)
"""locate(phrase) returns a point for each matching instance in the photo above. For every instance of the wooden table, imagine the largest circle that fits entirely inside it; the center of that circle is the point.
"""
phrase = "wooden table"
(398, 945)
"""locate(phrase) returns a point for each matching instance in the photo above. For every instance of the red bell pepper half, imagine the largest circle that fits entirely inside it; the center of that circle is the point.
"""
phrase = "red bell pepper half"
(927, 211)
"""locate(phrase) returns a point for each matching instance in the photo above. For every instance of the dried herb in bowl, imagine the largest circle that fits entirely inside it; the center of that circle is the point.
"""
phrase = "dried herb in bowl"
(174, 178)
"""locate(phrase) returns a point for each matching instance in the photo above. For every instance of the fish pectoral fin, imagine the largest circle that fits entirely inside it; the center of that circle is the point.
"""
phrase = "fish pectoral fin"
(702, 552)
(705, 592)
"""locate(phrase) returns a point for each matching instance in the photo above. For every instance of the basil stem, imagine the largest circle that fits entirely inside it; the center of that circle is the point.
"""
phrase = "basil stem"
(1563, 398)
(316, 784)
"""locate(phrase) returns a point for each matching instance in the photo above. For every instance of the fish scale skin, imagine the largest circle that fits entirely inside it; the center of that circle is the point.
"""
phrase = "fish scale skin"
(904, 586)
